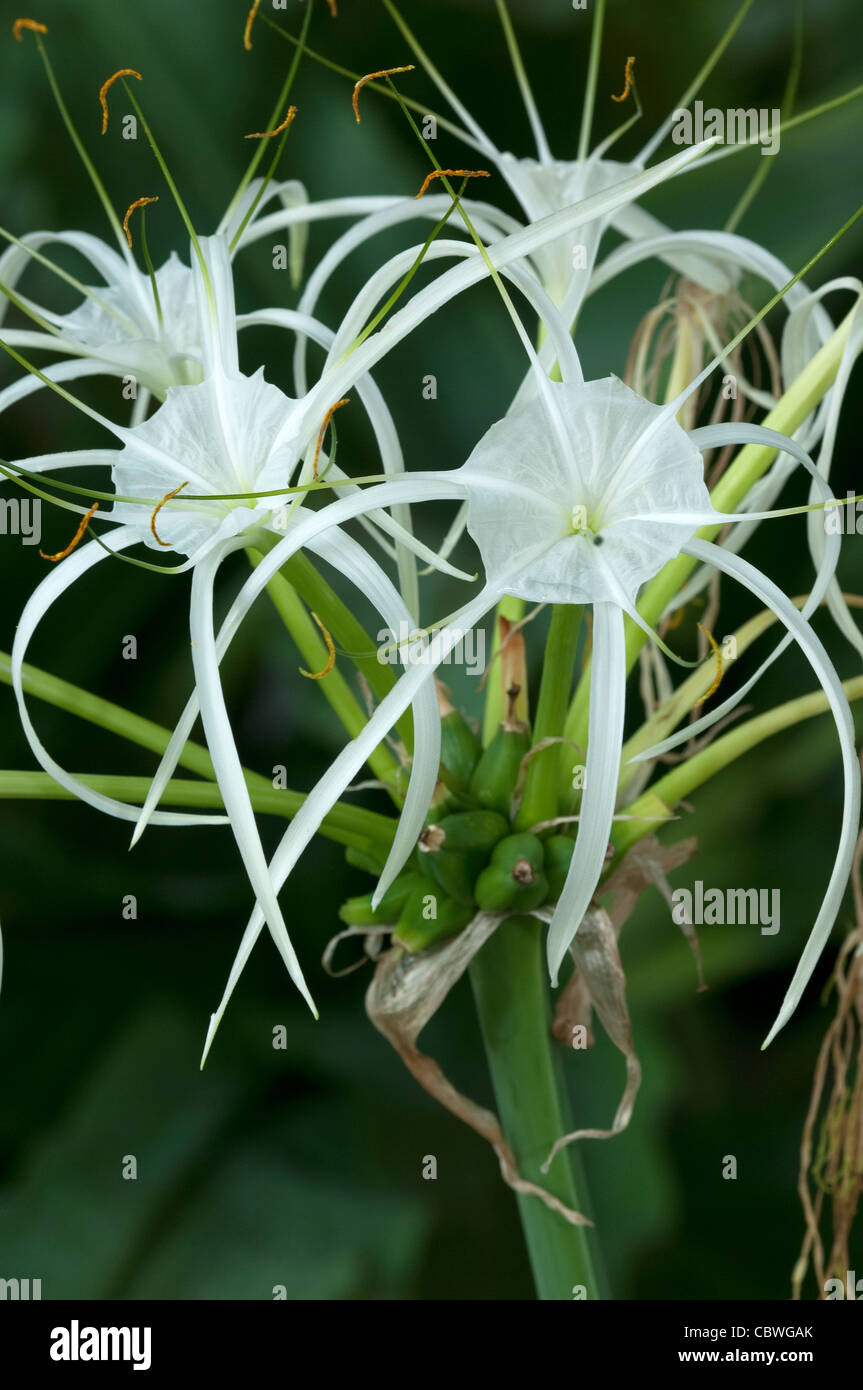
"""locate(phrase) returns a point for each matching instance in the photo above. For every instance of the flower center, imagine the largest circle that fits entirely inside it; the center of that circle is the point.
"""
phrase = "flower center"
(584, 525)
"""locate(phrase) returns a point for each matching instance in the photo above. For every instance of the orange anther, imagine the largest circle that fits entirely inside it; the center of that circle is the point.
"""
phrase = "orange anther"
(384, 72)
(627, 78)
(250, 19)
(61, 554)
(331, 654)
(714, 646)
(158, 507)
(103, 91)
(333, 8)
(138, 203)
(33, 24)
(267, 134)
(456, 173)
(327, 418)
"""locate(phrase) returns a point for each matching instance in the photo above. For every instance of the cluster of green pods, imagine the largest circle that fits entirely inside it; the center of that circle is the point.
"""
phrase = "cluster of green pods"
(469, 858)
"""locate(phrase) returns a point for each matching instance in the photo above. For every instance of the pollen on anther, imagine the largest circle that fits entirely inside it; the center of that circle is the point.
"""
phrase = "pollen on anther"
(454, 173)
(333, 8)
(714, 647)
(327, 418)
(331, 654)
(268, 134)
(250, 19)
(85, 522)
(369, 77)
(627, 81)
(158, 507)
(138, 203)
(32, 24)
(103, 91)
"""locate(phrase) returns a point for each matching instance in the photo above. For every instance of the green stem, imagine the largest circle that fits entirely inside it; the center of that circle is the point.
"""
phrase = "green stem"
(590, 85)
(347, 825)
(508, 982)
(155, 738)
(539, 802)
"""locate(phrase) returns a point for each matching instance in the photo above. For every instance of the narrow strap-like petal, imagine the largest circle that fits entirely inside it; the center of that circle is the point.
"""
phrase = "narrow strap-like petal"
(226, 759)
(601, 772)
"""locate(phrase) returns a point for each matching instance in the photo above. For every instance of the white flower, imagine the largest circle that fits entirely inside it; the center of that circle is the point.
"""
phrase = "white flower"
(545, 184)
(227, 434)
(129, 325)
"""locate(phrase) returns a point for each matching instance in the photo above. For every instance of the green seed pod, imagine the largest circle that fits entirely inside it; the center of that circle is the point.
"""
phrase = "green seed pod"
(498, 889)
(517, 847)
(452, 852)
(469, 831)
(358, 912)
(456, 873)
(515, 876)
(459, 748)
(558, 854)
(496, 773)
(416, 930)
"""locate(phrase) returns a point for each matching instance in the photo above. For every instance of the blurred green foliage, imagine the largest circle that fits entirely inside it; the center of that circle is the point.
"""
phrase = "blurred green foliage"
(302, 1167)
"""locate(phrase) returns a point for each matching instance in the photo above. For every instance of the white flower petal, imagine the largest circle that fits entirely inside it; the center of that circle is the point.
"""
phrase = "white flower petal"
(601, 772)
(226, 761)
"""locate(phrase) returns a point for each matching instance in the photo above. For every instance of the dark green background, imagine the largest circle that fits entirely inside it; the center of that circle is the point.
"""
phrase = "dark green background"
(303, 1167)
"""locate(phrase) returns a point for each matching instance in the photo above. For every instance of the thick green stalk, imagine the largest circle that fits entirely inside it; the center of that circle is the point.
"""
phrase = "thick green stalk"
(347, 825)
(508, 979)
(751, 463)
(333, 685)
(539, 802)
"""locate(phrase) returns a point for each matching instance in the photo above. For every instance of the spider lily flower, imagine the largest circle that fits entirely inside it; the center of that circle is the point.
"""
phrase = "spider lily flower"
(568, 269)
(228, 434)
(132, 324)
(580, 497)
(137, 324)
(544, 184)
